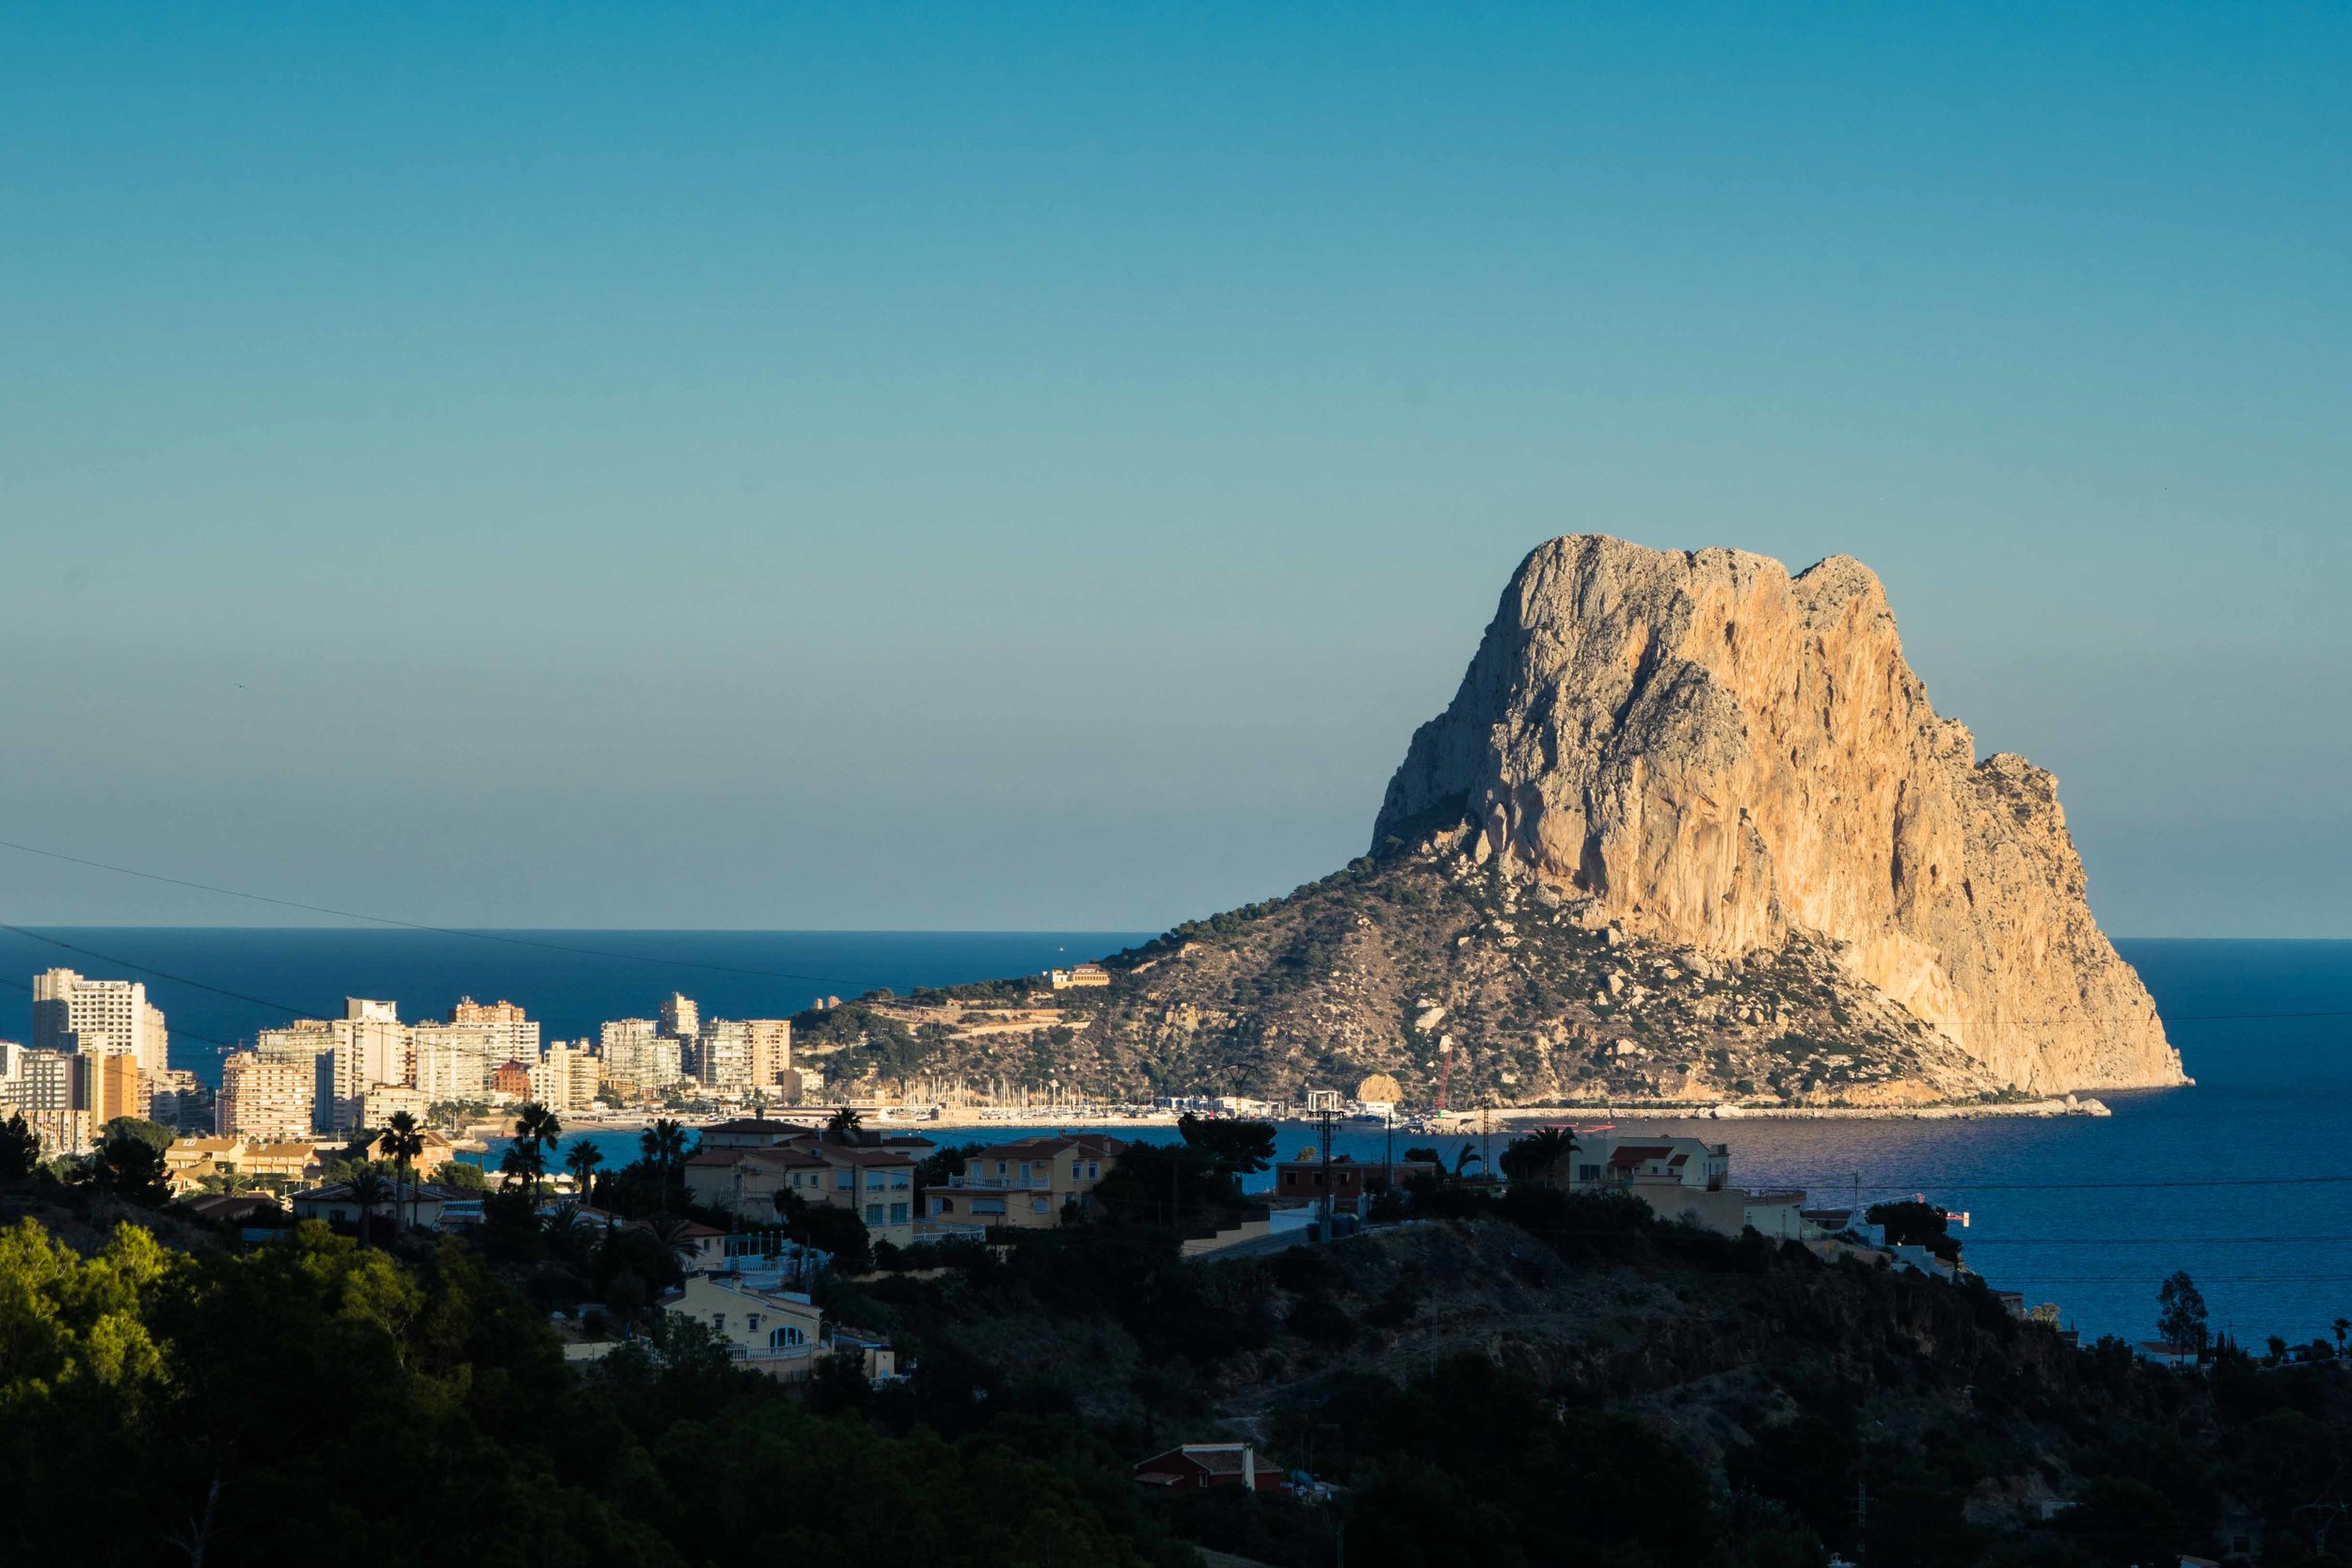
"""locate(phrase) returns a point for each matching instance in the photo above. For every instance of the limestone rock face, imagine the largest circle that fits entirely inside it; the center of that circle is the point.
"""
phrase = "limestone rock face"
(1719, 755)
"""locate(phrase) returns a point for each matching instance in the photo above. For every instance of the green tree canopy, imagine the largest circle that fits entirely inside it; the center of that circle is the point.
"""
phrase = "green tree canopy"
(2181, 1313)
(1234, 1147)
(153, 1133)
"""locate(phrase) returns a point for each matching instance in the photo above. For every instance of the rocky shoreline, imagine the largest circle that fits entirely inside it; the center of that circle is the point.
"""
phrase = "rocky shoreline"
(2065, 1106)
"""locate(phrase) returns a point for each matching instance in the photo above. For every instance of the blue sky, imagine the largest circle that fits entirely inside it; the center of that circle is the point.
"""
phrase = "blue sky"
(1008, 466)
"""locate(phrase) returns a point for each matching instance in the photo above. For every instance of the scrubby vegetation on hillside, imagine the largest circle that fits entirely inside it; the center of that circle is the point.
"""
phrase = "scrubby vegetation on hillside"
(1388, 966)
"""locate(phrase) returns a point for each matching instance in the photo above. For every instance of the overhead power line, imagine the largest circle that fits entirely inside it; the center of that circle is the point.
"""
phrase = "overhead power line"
(504, 938)
(287, 1008)
(177, 1032)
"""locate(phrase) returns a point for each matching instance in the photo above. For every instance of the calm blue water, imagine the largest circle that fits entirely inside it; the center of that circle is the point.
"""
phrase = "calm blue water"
(2273, 1097)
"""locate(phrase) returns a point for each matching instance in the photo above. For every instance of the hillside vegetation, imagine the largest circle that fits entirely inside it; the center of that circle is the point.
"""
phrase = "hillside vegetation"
(1389, 965)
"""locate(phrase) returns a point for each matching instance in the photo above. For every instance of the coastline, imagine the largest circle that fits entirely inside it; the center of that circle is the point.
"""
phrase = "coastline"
(970, 1119)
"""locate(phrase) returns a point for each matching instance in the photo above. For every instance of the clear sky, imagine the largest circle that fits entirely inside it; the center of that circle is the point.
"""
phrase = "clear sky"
(1008, 466)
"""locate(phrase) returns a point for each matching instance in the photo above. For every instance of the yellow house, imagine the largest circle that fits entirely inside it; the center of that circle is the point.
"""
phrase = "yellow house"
(1025, 1186)
(874, 1181)
(768, 1329)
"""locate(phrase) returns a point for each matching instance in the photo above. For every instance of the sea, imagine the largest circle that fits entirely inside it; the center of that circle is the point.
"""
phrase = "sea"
(2244, 1180)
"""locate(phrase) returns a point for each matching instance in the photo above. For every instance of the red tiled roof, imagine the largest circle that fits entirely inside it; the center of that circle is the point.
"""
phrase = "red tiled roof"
(1634, 1154)
(775, 1155)
(1096, 1144)
(1217, 1459)
(827, 1153)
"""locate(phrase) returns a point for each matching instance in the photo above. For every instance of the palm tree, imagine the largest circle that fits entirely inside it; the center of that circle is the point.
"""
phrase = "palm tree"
(535, 1130)
(229, 1182)
(403, 1141)
(1528, 1158)
(582, 1161)
(843, 1125)
(2342, 1326)
(367, 1186)
(664, 1145)
(671, 1231)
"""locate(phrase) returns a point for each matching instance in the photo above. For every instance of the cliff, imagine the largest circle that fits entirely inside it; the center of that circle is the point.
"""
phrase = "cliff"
(1723, 758)
(1688, 833)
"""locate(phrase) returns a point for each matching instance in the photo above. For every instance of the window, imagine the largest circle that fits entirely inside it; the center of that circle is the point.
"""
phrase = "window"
(1588, 1173)
(751, 1322)
(1000, 1167)
(1094, 1170)
(718, 1322)
(786, 1337)
(1037, 1206)
(901, 1180)
(845, 1180)
(873, 1214)
(942, 1205)
(898, 1214)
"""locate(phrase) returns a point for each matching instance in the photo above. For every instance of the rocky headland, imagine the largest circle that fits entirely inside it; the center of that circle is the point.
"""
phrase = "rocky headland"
(1689, 832)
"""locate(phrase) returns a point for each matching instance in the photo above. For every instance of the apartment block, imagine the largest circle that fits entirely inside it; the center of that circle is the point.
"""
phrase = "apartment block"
(771, 1050)
(111, 1085)
(97, 1017)
(380, 1101)
(264, 1099)
(451, 1061)
(511, 1035)
(371, 1048)
(722, 1057)
(180, 1102)
(638, 1059)
(568, 1076)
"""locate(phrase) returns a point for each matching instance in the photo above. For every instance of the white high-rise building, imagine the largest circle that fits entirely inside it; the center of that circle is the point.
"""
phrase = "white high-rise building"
(452, 1061)
(723, 1056)
(306, 1044)
(372, 1050)
(681, 1019)
(639, 1059)
(627, 1043)
(566, 1076)
(99, 1018)
(513, 1037)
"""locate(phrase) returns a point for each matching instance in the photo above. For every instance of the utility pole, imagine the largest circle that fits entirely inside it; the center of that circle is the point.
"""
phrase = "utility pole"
(1324, 1118)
